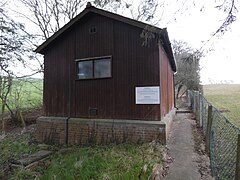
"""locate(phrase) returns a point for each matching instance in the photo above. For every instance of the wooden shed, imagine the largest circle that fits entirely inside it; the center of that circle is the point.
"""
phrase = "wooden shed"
(102, 85)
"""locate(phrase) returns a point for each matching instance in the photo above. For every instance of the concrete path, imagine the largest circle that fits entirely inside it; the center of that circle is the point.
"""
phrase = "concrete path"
(186, 163)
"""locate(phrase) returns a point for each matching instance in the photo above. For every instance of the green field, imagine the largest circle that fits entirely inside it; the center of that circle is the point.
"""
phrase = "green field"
(225, 97)
(26, 94)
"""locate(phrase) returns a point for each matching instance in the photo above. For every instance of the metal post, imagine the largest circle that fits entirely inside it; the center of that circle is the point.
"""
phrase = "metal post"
(209, 127)
(200, 110)
(194, 102)
(197, 109)
(189, 99)
(237, 176)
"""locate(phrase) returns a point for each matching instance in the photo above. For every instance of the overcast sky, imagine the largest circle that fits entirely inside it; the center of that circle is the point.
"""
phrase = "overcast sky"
(194, 24)
(195, 27)
(224, 62)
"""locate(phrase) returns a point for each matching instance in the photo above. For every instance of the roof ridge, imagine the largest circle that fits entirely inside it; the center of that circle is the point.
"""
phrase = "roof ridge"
(92, 9)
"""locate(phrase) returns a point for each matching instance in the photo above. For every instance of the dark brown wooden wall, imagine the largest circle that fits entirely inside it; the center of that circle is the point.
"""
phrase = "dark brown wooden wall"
(132, 65)
(56, 76)
(136, 65)
(166, 83)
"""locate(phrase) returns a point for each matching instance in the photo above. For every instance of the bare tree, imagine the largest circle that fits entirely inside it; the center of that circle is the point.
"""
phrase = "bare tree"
(11, 46)
(12, 52)
(188, 75)
(143, 10)
(5, 87)
(230, 8)
(50, 15)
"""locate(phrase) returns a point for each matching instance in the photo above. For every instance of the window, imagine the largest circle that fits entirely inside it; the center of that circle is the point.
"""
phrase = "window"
(85, 69)
(94, 68)
(102, 68)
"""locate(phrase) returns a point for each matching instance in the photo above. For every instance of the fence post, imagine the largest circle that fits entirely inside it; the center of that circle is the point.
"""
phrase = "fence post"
(200, 110)
(194, 101)
(237, 176)
(189, 98)
(193, 97)
(209, 127)
(198, 104)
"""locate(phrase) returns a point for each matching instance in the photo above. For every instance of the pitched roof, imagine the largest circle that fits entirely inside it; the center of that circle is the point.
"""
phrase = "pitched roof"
(89, 8)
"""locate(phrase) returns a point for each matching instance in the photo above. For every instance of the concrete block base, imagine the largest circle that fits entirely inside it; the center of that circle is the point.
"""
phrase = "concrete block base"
(81, 131)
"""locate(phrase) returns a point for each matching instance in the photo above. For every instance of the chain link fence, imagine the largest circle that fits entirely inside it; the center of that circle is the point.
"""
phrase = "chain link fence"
(222, 137)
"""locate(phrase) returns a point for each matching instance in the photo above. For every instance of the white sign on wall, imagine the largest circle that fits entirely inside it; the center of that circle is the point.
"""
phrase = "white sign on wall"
(147, 95)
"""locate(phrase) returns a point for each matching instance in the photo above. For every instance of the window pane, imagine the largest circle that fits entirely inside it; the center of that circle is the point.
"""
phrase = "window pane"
(85, 69)
(102, 68)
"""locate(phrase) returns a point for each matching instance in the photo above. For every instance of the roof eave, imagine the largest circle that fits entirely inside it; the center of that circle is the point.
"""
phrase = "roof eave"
(168, 48)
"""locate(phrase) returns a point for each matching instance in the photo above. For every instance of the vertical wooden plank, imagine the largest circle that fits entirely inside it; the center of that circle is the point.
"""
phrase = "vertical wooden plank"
(209, 127)
(237, 176)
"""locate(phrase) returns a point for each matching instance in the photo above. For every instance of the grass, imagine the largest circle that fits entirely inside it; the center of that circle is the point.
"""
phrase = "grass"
(126, 161)
(31, 94)
(106, 162)
(225, 97)
(25, 99)
(14, 147)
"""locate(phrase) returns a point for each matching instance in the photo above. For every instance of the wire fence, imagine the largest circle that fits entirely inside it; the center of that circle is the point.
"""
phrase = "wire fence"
(222, 136)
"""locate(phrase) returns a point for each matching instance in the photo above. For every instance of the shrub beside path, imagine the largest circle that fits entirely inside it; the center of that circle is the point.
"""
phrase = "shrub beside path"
(187, 150)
